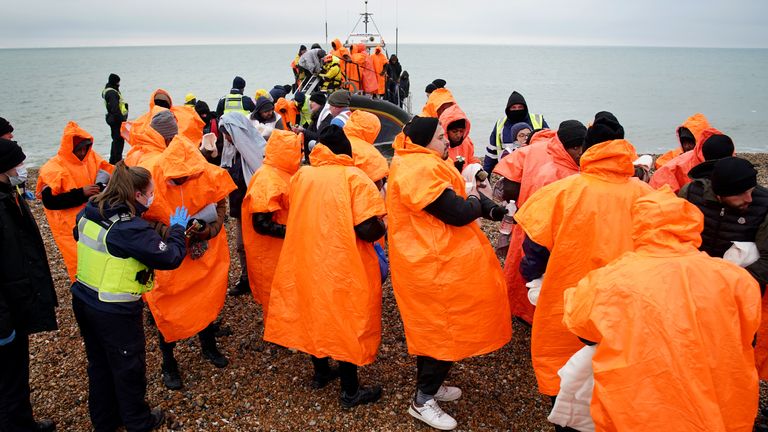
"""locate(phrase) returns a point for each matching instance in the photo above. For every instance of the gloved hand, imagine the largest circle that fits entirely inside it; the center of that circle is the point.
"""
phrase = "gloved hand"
(534, 288)
(180, 217)
(6, 340)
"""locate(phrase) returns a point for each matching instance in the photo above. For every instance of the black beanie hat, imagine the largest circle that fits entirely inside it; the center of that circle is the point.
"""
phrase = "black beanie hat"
(421, 129)
(5, 126)
(571, 133)
(315, 45)
(439, 83)
(605, 127)
(318, 98)
(733, 176)
(300, 98)
(238, 83)
(717, 147)
(302, 48)
(10, 155)
(334, 138)
(113, 79)
(430, 88)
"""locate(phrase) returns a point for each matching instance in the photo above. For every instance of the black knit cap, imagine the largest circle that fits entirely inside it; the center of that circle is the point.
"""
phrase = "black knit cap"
(5, 126)
(421, 129)
(571, 133)
(113, 79)
(318, 98)
(238, 83)
(604, 128)
(335, 139)
(733, 176)
(717, 147)
(430, 88)
(10, 155)
(439, 83)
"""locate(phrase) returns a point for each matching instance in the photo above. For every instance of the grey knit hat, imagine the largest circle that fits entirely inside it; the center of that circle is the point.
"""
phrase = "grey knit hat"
(165, 124)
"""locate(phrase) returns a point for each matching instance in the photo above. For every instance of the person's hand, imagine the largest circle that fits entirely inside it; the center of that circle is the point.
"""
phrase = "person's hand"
(91, 190)
(180, 217)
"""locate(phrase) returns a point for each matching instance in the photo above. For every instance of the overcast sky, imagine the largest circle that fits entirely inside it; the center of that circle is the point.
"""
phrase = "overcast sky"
(687, 23)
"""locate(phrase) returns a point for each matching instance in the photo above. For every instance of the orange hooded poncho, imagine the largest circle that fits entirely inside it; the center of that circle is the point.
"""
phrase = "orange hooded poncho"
(361, 129)
(288, 111)
(326, 293)
(674, 329)
(585, 222)
(522, 166)
(467, 148)
(379, 60)
(696, 124)
(268, 193)
(189, 298)
(62, 173)
(447, 280)
(675, 172)
(435, 101)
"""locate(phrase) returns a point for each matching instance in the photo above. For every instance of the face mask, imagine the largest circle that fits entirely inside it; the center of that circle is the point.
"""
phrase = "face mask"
(149, 201)
(20, 177)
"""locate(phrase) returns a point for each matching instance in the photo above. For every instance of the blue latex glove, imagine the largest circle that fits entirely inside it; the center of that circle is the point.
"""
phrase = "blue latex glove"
(180, 217)
(383, 261)
(9, 339)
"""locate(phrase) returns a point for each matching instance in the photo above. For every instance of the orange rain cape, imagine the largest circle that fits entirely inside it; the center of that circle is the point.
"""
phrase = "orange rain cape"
(62, 173)
(146, 144)
(675, 172)
(673, 327)
(668, 156)
(379, 61)
(268, 193)
(288, 111)
(189, 298)
(467, 148)
(435, 101)
(447, 280)
(522, 166)
(696, 124)
(585, 222)
(326, 294)
(361, 129)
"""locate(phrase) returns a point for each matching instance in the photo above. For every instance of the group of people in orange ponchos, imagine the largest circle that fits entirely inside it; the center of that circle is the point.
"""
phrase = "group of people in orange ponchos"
(644, 300)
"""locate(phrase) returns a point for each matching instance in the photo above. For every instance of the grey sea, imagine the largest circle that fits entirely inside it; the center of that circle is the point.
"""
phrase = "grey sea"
(651, 90)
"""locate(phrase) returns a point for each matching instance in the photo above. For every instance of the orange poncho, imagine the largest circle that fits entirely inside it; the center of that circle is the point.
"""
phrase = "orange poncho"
(523, 166)
(675, 172)
(668, 156)
(189, 298)
(379, 61)
(466, 149)
(673, 327)
(63, 173)
(288, 111)
(268, 193)
(361, 129)
(585, 222)
(447, 280)
(326, 294)
(435, 101)
(146, 144)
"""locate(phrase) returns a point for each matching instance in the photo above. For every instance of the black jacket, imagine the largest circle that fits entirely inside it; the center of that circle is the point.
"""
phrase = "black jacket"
(723, 225)
(27, 295)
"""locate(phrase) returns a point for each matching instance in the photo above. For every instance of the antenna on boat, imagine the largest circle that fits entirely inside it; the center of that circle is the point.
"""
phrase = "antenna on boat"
(397, 29)
(326, 22)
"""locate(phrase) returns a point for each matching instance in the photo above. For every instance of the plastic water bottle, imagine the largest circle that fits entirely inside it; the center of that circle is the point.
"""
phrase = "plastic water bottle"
(506, 223)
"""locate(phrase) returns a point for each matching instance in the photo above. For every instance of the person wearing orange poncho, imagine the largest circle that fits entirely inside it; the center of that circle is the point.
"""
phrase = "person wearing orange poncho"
(457, 127)
(361, 129)
(519, 170)
(447, 281)
(686, 135)
(574, 226)
(438, 101)
(379, 61)
(289, 113)
(675, 171)
(149, 140)
(188, 299)
(265, 211)
(189, 123)
(65, 183)
(673, 328)
(367, 75)
(326, 294)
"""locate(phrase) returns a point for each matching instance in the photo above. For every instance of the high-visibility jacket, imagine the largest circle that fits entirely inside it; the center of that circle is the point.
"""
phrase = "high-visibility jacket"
(121, 103)
(535, 120)
(673, 326)
(585, 222)
(233, 102)
(447, 280)
(62, 173)
(115, 279)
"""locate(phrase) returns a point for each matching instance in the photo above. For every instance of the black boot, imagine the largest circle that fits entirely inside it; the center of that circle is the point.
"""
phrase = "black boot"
(364, 395)
(324, 373)
(45, 425)
(209, 349)
(171, 375)
(241, 287)
(158, 418)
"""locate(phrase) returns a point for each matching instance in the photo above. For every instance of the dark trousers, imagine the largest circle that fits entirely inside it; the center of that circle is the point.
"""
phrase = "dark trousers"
(15, 408)
(347, 373)
(117, 382)
(430, 374)
(559, 428)
(393, 93)
(207, 338)
(116, 152)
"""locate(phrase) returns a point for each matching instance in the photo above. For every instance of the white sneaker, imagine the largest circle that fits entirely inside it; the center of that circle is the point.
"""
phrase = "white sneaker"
(447, 393)
(431, 414)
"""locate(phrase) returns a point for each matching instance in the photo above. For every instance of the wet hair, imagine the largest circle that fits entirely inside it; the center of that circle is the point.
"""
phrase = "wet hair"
(122, 187)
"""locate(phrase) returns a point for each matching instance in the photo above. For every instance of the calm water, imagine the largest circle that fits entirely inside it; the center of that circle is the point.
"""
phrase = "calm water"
(651, 90)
